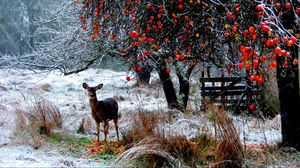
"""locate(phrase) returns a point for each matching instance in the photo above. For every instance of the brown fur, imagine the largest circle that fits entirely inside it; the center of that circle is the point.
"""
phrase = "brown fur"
(102, 111)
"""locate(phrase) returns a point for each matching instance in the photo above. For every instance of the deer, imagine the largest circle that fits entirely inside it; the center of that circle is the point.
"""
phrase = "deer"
(103, 111)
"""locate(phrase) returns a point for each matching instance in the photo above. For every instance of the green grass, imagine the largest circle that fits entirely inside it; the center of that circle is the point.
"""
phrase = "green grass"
(78, 146)
(70, 143)
(68, 140)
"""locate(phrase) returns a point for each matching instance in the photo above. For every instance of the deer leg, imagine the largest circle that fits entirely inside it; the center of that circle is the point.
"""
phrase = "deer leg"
(117, 128)
(106, 125)
(98, 131)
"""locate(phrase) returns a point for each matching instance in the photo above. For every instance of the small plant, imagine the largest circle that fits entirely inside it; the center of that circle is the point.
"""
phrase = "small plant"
(81, 128)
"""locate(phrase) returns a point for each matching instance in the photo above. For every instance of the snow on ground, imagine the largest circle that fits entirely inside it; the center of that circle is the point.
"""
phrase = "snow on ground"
(17, 87)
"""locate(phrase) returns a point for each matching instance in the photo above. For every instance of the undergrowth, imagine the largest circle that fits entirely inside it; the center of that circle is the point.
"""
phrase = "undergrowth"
(84, 147)
(148, 146)
(35, 124)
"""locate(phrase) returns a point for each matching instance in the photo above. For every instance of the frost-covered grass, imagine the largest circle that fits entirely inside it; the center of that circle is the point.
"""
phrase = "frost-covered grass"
(18, 87)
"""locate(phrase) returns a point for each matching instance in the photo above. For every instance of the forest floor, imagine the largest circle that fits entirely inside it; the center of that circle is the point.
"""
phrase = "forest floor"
(20, 91)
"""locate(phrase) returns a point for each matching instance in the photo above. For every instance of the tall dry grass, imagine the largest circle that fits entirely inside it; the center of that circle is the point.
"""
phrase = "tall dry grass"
(229, 150)
(44, 116)
(36, 123)
(150, 147)
(144, 124)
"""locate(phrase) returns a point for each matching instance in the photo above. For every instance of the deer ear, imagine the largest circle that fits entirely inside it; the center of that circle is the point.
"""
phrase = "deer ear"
(84, 85)
(99, 86)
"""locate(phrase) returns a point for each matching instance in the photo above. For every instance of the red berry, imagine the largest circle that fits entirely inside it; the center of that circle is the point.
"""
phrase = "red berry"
(255, 64)
(133, 19)
(180, 37)
(251, 30)
(260, 80)
(288, 5)
(113, 37)
(263, 58)
(285, 39)
(139, 69)
(134, 34)
(93, 36)
(248, 66)
(269, 43)
(228, 15)
(275, 40)
(147, 52)
(168, 71)
(293, 39)
(234, 29)
(251, 107)
(265, 28)
(240, 66)
(290, 43)
(226, 35)
(260, 7)
(128, 78)
(148, 6)
(179, 57)
(180, 6)
(273, 65)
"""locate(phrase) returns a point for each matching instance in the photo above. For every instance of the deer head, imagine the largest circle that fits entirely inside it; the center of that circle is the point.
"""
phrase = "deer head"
(92, 90)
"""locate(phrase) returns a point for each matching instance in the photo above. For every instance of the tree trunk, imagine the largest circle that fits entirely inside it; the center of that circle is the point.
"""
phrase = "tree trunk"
(145, 74)
(184, 90)
(168, 88)
(288, 85)
(184, 85)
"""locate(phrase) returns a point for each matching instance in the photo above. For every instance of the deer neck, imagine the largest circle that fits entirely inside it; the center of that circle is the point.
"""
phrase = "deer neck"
(93, 103)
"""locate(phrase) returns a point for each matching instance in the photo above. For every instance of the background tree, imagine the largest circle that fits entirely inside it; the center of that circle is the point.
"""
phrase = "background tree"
(165, 33)
(272, 41)
(183, 32)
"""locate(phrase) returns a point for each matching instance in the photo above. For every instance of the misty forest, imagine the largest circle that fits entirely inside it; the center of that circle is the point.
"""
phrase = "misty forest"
(149, 83)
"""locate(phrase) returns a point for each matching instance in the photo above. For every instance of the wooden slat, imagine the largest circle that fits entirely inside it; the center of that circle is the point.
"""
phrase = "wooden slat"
(232, 95)
(223, 88)
(225, 79)
(222, 93)
(227, 101)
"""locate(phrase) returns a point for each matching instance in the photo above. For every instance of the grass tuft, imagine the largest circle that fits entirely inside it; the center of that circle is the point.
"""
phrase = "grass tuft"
(34, 125)
(229, 150)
